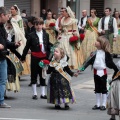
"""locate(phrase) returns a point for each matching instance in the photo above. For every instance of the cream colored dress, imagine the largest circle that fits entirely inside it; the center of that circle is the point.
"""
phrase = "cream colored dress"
(116, 44)
(73, 51)
(88, 44)
(50, 31)
(18, 31)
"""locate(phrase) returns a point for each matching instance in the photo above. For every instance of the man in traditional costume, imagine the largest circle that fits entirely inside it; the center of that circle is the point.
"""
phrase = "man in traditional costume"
(108, 27)
(82, 22)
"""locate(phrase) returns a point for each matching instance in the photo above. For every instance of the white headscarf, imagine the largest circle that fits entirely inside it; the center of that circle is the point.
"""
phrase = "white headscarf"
(70, 12)
(18, 10)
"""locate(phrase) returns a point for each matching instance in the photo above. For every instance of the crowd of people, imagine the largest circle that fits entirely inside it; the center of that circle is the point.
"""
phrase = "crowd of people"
(28, 44)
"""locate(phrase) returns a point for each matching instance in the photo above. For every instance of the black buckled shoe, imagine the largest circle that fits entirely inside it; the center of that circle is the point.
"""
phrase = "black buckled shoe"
(30, 84)
(96, 107)
(67, 107)
(38, 85)
(57, 107)
(43, 97)
(112, 119)
(102, 108)
(34, 97)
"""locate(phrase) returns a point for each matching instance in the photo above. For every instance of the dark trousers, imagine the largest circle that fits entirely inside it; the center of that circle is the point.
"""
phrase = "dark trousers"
(100, 84)
(36, 70)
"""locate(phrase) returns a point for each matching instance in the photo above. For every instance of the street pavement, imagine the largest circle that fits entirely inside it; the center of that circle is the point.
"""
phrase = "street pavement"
(24, 108)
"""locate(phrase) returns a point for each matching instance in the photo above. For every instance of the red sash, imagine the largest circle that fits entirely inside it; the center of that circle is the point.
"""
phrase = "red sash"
(39, 54)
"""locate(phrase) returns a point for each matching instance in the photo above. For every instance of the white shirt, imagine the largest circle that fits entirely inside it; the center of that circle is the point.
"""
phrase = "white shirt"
(106, 25)
(40, 36)
(84, 23)
(99, 63)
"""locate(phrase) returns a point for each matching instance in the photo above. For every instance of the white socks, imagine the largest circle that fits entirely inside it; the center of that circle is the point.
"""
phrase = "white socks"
(42, 89)
(34, 89)
(104, 99)
(98, 99)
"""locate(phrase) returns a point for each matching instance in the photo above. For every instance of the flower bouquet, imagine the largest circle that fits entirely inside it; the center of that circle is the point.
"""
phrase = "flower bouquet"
(82, 37)
(44, 65)
(73, 41)
(52, 25)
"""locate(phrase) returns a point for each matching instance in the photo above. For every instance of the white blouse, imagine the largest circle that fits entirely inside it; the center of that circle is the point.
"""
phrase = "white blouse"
(99, 63)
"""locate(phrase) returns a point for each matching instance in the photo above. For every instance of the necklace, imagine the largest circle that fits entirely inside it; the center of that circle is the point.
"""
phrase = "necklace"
(93, 18)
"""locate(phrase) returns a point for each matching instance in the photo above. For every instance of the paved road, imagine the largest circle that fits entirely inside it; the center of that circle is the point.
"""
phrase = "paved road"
(24, 108)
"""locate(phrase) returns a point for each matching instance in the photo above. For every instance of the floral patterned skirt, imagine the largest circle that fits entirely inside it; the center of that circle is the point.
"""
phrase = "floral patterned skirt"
(114, 98)
(52, 36)
(88, 44)
(59, 90)
(116, 46)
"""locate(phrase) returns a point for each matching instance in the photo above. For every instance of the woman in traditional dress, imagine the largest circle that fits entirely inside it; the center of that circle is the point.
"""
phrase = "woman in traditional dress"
(19, 34)
(116, 44)
(49, 26)
(114, 95)
(18, 27)
(14, 65)
(91, 34)
(69, 29)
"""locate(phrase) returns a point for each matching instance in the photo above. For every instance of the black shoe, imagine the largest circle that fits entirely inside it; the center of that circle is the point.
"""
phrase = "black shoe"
(112, 119)
(67, 107)
(35, 97)
(96, 107)
(114, 55)
(30, 84)
(5, 97)
(43, 97)
(38, 85)
(102, 108)
(57, 107)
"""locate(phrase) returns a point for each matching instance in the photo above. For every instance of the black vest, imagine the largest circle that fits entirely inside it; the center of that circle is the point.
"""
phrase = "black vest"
(110, 24)
(82, 21)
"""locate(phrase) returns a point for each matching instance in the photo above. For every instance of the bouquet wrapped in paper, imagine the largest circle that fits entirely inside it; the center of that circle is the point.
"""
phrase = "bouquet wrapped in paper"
(44, 65)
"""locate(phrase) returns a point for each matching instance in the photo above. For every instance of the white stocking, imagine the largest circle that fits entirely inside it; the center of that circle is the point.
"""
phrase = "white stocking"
(104, 99)
(98, 98)
(42, 89)
(34, 89)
